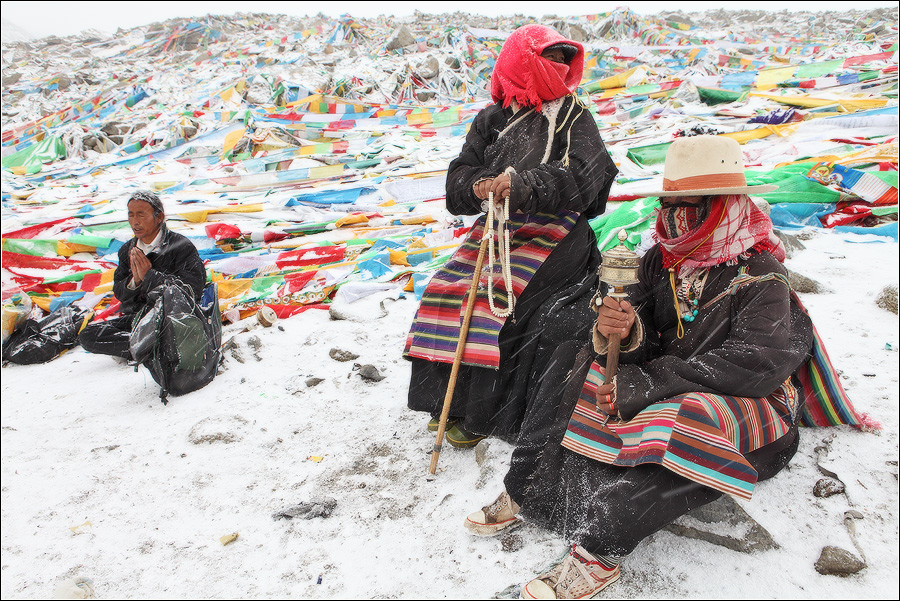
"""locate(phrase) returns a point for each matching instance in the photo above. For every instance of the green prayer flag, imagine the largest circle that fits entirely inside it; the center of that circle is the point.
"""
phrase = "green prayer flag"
(813, 70)
(654, 154)
(717, 96)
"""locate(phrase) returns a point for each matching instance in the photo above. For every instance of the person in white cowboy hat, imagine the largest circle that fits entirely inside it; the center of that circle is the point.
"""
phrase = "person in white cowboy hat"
(706, 399)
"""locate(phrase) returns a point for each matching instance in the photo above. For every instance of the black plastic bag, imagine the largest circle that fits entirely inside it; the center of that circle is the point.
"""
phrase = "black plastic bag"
(39, 341)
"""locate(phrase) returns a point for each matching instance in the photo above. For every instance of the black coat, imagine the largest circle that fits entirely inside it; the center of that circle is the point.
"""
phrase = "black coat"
(177, 258)
(576, 176)
(745, 344)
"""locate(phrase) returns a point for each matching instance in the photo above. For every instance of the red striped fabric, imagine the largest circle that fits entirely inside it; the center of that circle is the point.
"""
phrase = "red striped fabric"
(436, 327)
(700, 436)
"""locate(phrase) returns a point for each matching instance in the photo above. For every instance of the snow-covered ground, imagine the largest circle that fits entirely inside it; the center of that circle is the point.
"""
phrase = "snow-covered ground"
(101, 481)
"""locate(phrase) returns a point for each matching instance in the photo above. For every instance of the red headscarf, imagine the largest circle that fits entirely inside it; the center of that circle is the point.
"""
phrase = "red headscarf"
(733, 226)
(521, 74)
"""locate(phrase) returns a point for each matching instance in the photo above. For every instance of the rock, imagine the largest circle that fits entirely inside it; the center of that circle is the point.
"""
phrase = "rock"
(9, 78)
(828, 487)
(791, 243)
(425, 95)
(511, 543)
(835, 561)
(74, 588)
(370, 373)
(723, 522)
(803, 284)
(111, 128)
(481, 450)
(887, 300)
(399, 38)
(510, 592)
(577, 33)
(342, 356)
(222, 428)
(232, 347)
(310, 382)
(320, 508)
(429, 68)
(255, 343)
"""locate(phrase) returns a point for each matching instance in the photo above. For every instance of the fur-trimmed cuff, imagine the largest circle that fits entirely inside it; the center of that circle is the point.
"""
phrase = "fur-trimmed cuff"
(601, 342)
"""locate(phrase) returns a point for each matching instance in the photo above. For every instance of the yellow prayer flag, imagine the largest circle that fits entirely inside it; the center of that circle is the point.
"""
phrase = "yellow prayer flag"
(232, 139)
(616, 81)
(398, 257)
(353, 219)
(326, 171)
(769, 78)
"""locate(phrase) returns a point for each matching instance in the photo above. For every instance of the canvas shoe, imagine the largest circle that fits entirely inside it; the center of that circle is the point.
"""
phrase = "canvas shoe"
(579, 576)
(499, 515)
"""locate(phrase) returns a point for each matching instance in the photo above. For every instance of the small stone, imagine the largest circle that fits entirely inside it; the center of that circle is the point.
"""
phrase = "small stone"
(310, 382)
(828, 487)
(481, 450)
(791, 243)
(835, 561)
(370, 373)
(887, 300)
(511, 543)
(342, 356)
(803, 284)
(307, 510)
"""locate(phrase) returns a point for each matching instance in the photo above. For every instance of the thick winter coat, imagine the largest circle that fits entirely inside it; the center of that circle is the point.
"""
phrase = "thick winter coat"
(177, 258)
(561, 171)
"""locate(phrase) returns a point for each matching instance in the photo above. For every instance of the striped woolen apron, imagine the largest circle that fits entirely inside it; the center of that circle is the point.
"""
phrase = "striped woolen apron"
(700, 436)
(436, 327)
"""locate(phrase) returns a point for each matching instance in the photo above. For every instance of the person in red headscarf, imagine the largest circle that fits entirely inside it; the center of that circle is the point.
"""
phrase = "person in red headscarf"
(537, 152)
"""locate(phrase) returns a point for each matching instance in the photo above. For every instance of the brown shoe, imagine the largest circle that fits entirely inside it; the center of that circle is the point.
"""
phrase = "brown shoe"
(499, 515)
(578, 576)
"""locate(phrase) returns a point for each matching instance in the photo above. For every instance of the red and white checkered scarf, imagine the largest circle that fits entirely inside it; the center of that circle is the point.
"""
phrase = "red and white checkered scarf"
(732, 226)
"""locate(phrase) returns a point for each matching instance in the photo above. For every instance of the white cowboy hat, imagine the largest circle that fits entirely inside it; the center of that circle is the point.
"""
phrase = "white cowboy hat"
(705, 165)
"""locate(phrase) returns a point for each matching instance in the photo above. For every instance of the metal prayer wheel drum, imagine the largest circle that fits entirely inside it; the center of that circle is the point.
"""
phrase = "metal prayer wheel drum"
(619, 268)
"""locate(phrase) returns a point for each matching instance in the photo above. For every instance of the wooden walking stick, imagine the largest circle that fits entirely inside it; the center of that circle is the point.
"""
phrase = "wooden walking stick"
(461, 343)
(618, 269)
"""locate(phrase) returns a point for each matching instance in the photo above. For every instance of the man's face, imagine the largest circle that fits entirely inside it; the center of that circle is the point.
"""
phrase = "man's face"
(142, 221)
(555, 55)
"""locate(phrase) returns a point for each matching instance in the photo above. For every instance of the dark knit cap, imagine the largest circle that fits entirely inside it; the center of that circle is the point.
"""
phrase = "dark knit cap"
(150, 198)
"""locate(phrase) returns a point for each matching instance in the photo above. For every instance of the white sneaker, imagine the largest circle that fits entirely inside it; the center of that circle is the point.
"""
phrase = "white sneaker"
(499, 515)
(578, 576)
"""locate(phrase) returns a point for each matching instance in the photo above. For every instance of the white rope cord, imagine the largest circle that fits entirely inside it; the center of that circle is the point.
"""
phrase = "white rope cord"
(504, 251)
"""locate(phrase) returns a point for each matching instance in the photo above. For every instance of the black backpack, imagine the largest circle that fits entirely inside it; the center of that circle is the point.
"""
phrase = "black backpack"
(178, 340)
